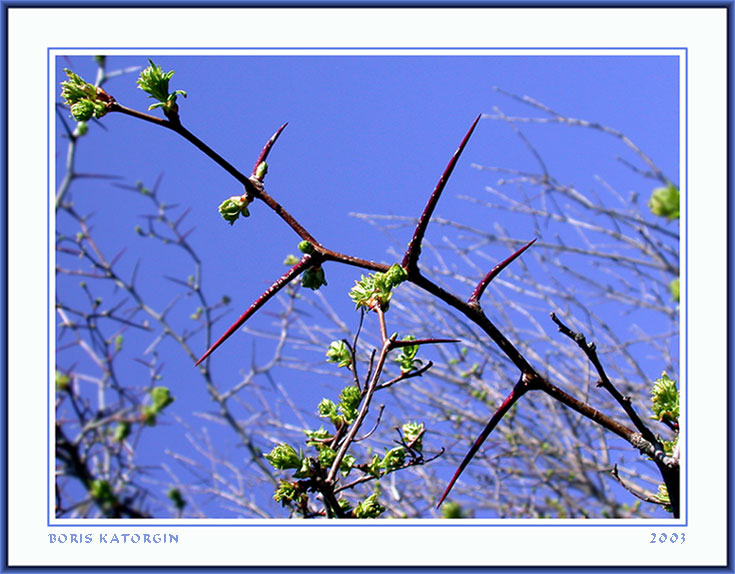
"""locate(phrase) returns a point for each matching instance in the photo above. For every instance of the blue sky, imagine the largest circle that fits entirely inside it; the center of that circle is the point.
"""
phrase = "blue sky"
(365, 134)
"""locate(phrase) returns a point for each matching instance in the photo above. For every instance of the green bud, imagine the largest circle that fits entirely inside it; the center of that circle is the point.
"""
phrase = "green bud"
(412, 434)
(396, 275)
(148, 415)
(122, 431)
(161, 398)
(306, 247)
(326, 456)
(369, 508)
(232, 208)
(407, 359)
(452, 510)
(313, 278)
(81, 129)
(665, 202)
(327, 409)
(674, 287)
(283, 456)
(154, 81)
(291, 260)
(665, 399)
(101, 491)
(174, 495)
(317, 438)
(393, 458)
(84, 99)
(349, 401)
(118, 343)
(663, 497)
(346, 464)
(288, 492)
(339, 353)
(82, 110)
(62, 381)
(374, 467)
(261, 170)
(75, 89)
(375, 290)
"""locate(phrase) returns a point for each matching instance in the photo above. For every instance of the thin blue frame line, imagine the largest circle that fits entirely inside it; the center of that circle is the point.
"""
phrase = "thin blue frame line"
(382, 48)
(48, 296)
(686, 275)
(441, 522)
(647, 524)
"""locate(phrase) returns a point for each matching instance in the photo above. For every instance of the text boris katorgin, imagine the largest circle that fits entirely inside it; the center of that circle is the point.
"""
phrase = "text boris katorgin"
(113, 538)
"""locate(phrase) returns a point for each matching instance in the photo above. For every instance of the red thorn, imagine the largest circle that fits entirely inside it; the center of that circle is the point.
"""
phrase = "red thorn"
(267, 148)
(410, 259)
(495, 271)
(279, 284)
(517, 392)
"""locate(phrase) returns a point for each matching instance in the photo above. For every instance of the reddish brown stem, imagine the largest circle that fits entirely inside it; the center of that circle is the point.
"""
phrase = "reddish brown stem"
(494, 272)
(250, 187)
(306, 262)
(411, 258)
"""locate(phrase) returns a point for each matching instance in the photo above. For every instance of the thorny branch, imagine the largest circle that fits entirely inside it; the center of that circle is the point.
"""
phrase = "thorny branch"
(530, 378)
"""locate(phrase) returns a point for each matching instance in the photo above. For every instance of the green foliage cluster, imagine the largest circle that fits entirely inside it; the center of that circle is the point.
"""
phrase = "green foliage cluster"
(309, 468)
(665, 408)
(664, 202)
(154, 81)
(407, 359)
(84, 99)
(665, 399)
(339, 353)
(161, 398)
(376, 290)
(234, 207)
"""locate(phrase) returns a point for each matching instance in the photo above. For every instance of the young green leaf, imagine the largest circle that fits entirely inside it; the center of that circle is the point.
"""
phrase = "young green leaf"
(154, 81)
(233, 207)
(349, 401)
(369, 508)
(665, 202)
(413, 434)
(339, 353)
(375, 290)
(283, 456)
(665, 399)
(161, 398)
(407, 359)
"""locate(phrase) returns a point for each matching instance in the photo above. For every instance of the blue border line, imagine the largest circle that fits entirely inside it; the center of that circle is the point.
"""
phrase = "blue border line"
(4, 427)
(49, 119)
(686, 278)
(372, 48)
(79, 523)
